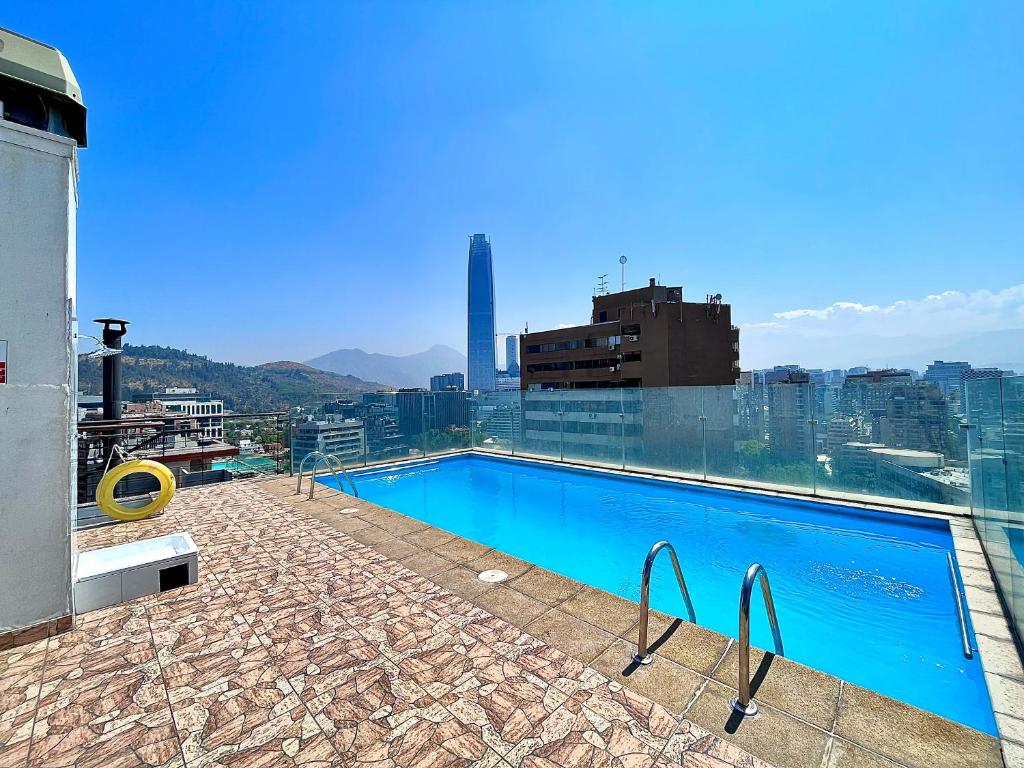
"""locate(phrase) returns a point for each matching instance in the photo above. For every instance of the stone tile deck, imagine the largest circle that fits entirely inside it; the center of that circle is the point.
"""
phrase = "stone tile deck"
(807, 718)
(303, 645)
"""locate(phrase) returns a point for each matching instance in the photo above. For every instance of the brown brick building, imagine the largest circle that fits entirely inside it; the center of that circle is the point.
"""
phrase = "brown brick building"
(647, 337)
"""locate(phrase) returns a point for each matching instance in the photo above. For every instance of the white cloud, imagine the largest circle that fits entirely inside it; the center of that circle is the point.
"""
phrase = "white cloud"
(933, 315)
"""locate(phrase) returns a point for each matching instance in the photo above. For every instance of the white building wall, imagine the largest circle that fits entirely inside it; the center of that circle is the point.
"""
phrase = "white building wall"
(38, 177)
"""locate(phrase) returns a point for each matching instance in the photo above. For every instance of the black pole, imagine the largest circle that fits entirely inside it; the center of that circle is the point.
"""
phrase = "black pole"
(113, 330)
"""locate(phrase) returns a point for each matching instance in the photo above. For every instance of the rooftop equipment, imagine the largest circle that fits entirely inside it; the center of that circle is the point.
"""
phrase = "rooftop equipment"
(38, 88)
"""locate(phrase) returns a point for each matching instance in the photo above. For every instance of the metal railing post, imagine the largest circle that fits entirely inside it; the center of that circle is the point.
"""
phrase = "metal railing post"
(743, 703)
(561, 435)
(813, 424)
(704, 444)
(643, 655)
(423, 426)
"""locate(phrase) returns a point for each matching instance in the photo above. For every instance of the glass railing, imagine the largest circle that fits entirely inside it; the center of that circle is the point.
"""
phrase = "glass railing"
(890, 443)
(903, 443)
(995, 425)
(896, 444)
(199, 450)
(382, 427)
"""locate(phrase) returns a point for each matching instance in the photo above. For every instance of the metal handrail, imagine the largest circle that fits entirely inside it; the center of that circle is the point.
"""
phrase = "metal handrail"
(643, 655)
(330, 457)
(302, 464)
(743, 703)
(961, 614)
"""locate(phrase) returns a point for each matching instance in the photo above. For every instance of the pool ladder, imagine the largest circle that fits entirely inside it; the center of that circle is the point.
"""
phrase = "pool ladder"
(643, 654)
(742, 703)
(333, 463)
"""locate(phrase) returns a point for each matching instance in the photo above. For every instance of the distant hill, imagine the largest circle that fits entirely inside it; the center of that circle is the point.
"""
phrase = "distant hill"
(1000, 349)
(269, 387)
(399, 371)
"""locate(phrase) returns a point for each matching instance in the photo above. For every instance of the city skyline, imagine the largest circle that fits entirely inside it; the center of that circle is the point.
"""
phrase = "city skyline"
(808, 157)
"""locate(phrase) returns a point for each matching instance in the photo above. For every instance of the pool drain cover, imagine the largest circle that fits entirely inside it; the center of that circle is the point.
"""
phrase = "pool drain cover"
(493, 577)
(348, 510)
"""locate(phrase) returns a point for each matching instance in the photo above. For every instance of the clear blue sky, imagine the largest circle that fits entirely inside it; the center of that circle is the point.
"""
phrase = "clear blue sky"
(271, 181)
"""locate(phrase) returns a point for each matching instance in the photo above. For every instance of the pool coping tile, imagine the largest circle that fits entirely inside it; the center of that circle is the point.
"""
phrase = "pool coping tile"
(1000, 662)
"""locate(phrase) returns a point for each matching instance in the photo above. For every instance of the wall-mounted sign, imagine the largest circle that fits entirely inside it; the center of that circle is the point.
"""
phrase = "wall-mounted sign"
(3, 361)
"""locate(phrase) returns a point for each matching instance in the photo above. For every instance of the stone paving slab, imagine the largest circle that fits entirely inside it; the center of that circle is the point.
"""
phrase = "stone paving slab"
(303, 646)
(698, 668)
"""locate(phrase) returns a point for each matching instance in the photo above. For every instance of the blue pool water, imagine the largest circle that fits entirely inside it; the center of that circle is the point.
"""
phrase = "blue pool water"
(865, 596)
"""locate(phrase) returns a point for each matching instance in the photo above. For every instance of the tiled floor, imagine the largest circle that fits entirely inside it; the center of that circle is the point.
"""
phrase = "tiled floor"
(807, 719)
(302, 646)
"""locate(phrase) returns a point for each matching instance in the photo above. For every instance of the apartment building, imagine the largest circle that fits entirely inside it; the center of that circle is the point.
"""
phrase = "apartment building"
(647, 337)
(443, 381)
(206, 412)
(343, 438)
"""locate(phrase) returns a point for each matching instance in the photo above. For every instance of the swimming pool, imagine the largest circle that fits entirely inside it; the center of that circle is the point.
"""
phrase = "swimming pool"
(862, 595)
(244, 463)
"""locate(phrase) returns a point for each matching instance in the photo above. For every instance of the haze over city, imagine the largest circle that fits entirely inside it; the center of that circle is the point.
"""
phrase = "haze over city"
(843, 173)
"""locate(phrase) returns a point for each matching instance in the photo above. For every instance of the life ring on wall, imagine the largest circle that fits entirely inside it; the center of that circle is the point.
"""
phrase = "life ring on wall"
(112, 508)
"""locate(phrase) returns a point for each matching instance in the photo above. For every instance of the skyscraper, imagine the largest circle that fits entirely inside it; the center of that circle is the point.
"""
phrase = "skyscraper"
(512, 355)
(481, 315)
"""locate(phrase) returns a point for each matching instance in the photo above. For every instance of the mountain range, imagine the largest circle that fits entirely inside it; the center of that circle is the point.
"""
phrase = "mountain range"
(998, 349)
(397, 370)
(268, 387)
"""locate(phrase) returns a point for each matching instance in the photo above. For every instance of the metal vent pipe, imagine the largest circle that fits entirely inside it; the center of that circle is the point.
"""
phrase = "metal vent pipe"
(113, 330)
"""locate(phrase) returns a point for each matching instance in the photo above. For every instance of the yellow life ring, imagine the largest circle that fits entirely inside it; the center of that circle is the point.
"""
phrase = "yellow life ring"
(110, 506)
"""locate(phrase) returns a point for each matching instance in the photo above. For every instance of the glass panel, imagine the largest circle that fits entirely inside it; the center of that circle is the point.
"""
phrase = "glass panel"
(722, 430)
(888, 436)
(260, 441)
(496, 421)
(593, 425)
(671, 429)
(995, 413)
(773, 439)
(542, 428)
(446, 417)
(374, 427)
(1013, 437)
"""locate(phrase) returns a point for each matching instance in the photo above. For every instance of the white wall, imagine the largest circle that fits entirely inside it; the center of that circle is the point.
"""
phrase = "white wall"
(38, 175)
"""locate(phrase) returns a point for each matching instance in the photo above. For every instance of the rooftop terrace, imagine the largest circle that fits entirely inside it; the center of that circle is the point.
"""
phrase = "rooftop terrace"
(303, 646)
(333, 632)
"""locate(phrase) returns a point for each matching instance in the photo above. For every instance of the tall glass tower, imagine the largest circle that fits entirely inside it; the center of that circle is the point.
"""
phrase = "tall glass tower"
(512, 355)
(481, 315)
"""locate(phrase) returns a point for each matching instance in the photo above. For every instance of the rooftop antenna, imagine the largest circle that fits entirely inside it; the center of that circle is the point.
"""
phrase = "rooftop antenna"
(622, 262)
(602, 285)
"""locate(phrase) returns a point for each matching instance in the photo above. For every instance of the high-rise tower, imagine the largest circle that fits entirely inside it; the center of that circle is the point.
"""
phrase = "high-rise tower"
(512, 355)
(481, 315)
